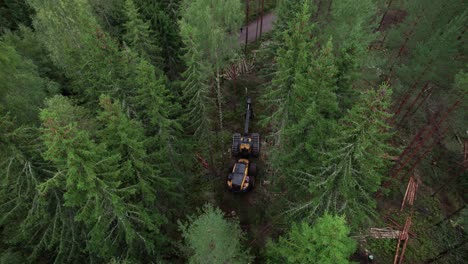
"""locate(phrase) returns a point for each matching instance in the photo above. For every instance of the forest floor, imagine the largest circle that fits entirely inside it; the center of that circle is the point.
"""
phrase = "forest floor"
(253, 28)
(251, 208)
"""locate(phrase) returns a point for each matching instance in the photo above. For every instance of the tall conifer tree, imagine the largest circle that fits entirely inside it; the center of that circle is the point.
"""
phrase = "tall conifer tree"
(22, 90)
(106, 187)
(207, 29)
(139, 36)
(327, 241)
(355, 164)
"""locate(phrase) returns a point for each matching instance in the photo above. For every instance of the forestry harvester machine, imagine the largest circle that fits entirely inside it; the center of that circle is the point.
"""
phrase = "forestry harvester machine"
(241, 176)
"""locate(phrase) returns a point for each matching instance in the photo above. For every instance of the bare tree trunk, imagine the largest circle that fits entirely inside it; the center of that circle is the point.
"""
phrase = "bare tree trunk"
(261, 21)
(329, 8)
(451, 215)
(256, 28)
(246, 24)
(219, 97)
(413, 103)
(319, 8)
(449, 181)
(410, 91)
(405, 42)
(384, 15)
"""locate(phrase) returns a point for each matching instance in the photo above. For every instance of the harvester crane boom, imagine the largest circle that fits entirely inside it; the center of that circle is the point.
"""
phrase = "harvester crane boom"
(248, 144)
(248, 116)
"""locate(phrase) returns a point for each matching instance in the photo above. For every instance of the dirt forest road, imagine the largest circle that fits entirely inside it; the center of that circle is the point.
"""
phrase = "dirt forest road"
(254, 27)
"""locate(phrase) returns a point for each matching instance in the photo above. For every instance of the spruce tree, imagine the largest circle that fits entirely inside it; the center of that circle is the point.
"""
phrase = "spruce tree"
(302, 99)
(197, 93)
(351, 26)
(210, 238)
(91, 60)
(89, 57)
(13, 14)
(103, 191)
(163, 17)
(22, 90)
(316, 107)
(77, 44)
(206, 29)
(125, 137)
(139, 36)
(21, 170)
(286, 11)
(27, 43)
(292, 62)
(354, 165)
(160, 115)
(327, 241)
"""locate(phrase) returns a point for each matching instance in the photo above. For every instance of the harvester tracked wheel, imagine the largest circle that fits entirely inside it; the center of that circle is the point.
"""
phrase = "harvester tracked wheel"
(255, 144)
(253, 170)
(235, 144)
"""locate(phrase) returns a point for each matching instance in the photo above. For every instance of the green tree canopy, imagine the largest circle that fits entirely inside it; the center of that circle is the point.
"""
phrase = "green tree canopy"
(210, 238)
(327, 242)
(302, 103)
(355, 163)
(139, 36)
(207, 28)
(107, 184)
(22, 90)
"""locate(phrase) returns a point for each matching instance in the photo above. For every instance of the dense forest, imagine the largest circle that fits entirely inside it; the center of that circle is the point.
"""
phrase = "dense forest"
(116, 119)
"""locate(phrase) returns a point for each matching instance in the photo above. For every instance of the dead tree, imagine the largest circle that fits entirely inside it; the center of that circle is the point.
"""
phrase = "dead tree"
(384, 15)
(445, 252)
(451, 215)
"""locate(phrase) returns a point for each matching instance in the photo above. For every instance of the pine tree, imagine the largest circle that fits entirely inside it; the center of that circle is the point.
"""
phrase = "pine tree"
(139, 36)
(327, 241)
(354, 165)
(210, 238)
